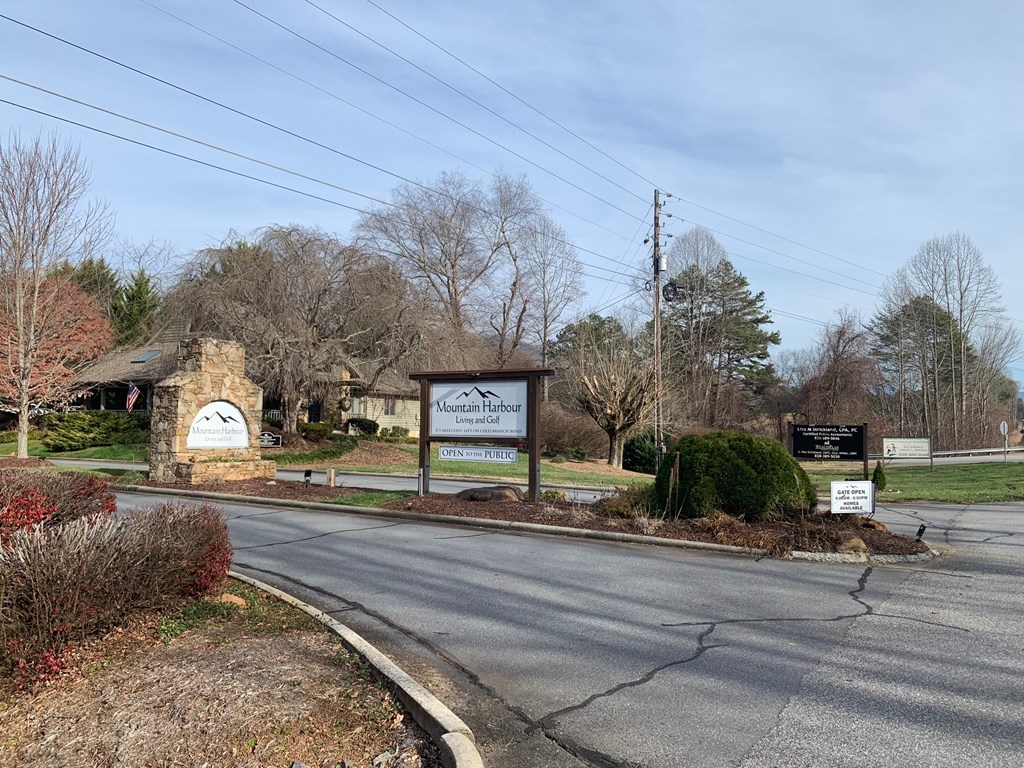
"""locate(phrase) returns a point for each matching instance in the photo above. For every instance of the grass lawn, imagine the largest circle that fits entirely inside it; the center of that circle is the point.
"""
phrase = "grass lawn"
(953, 483)
(108, 452)
(565, 473)
(35, 449)
(372, 498)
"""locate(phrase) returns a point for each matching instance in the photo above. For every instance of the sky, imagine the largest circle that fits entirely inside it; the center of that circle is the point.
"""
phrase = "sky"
(823, 143)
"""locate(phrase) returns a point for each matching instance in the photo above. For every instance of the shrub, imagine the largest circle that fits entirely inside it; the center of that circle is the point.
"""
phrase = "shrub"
(640, 453)
(878, 476)
(88, 429)
(635, 501)
(360, 426)
(62, 584)
(395, 434)
(69, 495)
(562, 430)
(315, 431)
(576, 453)
(22, 508)
(553, 494)
(732, 472)
(338, 447)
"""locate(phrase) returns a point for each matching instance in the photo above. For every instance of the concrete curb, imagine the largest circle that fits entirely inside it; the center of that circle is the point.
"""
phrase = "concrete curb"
(449, 732)
(548, 530)
(474, 522)
(837, 557)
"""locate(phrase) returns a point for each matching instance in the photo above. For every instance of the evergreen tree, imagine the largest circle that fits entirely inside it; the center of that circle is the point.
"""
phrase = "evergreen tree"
(716, 343)
(97, 278)
(134, 308)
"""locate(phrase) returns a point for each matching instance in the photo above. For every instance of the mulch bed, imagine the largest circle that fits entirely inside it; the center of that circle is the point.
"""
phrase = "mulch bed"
(816, 533)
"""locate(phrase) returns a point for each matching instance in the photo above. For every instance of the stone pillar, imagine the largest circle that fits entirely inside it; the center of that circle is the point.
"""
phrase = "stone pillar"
(205, 420)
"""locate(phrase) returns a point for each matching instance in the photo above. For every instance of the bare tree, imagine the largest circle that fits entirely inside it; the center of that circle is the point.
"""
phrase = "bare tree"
(45, 221)
(468, 247)
(303, 304)
(928, 335)
(837, 387)
(555, 280)
(609, 373)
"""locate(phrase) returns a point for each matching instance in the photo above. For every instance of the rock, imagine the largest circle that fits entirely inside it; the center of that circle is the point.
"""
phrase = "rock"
(878, 525)
(228, 598)
(852, 545)
(491, 493)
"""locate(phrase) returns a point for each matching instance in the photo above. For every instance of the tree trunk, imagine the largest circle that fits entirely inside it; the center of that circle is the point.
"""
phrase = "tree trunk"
(614, 447)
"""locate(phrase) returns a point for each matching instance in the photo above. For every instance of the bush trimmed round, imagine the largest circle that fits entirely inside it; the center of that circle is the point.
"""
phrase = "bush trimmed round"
(744, 476)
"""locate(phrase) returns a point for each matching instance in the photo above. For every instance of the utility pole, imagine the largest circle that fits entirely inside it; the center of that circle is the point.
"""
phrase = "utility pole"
(659, 440)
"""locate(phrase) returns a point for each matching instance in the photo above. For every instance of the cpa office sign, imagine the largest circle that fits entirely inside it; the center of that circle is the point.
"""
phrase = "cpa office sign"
(482, 409)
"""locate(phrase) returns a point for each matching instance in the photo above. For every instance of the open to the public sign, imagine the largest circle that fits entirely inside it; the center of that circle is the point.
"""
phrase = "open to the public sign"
(218, 425)
(853, 497)
(484, 409)
(491, 453)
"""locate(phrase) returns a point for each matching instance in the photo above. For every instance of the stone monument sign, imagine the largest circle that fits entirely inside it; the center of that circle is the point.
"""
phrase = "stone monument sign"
(205, 422)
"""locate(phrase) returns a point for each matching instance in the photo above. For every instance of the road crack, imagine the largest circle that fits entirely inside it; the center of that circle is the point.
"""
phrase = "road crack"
(318, 536)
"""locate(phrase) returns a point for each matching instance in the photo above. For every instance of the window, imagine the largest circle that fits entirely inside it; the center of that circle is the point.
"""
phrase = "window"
(390, 406)
(146, 356)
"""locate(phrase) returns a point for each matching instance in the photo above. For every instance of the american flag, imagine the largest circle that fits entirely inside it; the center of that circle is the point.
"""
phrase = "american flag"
(133, 395)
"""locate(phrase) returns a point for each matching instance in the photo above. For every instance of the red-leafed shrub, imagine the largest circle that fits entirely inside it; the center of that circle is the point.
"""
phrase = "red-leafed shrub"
(195, 538)
(23, 508)
(70, 494)
(63, 583)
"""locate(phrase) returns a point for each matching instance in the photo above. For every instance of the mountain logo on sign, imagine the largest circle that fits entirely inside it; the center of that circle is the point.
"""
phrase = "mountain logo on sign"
(221, 416)
(484, 395)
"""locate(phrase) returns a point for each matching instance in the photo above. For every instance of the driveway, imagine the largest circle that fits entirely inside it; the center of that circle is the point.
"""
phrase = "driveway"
(561, 652)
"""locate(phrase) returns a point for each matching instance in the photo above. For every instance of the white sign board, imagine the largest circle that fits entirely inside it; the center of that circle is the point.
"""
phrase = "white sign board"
(487, 409)
(478, 453)
(853, 497)
(1004, 428)
(907, 447)
(217, 425)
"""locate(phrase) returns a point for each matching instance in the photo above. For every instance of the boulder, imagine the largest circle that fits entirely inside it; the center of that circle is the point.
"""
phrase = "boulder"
(852, 545)
(491, 493)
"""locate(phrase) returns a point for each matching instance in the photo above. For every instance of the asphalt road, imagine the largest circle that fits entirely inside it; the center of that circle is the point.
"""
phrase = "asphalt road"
(561, 652)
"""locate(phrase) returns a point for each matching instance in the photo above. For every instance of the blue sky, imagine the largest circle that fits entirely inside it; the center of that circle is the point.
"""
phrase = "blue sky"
(856, 130)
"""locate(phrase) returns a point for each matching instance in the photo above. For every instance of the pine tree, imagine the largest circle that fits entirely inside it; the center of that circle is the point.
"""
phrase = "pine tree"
(715, 340)
(134, 308)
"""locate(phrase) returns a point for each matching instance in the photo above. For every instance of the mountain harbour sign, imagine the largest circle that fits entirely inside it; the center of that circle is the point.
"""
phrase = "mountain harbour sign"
(499, 406)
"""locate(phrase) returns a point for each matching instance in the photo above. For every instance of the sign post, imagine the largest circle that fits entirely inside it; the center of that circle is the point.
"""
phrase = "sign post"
(1004, 429)
(501, 407)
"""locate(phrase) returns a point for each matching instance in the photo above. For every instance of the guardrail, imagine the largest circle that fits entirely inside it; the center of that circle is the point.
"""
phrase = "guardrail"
(964, 452)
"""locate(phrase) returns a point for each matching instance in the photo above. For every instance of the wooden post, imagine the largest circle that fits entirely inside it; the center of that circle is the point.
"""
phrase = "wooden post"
(865, 449)
(424, 472)
(533, 435)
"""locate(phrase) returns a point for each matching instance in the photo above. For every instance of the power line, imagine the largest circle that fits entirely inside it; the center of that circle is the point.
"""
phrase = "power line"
(530, 106)
(774, 234)
(466, 96)
(784, 255)
(510, 93)
(250, 177)
(267, 123)
(435, 110)
(364, 111)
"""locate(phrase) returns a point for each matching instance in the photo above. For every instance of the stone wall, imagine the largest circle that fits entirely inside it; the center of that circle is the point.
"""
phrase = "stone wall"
(209, 370)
